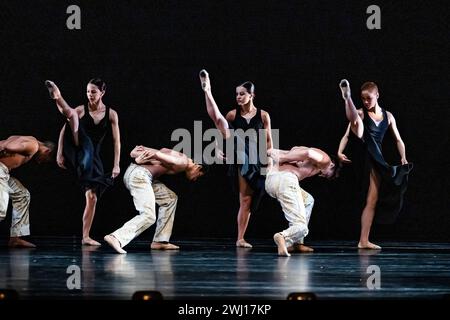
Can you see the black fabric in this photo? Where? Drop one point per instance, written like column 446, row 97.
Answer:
column 85, row 160
column 393, row 179
column 246, row 149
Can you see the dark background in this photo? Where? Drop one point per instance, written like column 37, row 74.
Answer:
column 149, row 53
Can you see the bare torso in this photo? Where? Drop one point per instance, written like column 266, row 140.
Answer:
column 302, row 169
column 157, row 169
column 13, row 160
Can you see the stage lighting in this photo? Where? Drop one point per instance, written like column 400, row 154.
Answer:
column 8, row 294
column 147, row 295
column 302, row 296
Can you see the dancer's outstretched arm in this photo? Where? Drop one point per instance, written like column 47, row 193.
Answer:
column 318, row 157
column 60, row 154
column 351, row 112
column 342, row 145
column 211, row 106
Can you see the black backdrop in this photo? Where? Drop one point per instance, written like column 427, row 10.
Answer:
column 150, row 52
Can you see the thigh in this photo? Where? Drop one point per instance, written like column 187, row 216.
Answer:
column 163, row 194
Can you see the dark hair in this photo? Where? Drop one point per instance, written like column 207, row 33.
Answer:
column 249, row 86
column 52, row 150
column 337, row 167
column 99, row 83
column 205, row 168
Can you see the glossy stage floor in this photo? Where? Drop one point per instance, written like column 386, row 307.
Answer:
column 215, row 269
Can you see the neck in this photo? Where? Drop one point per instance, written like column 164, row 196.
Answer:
column 248, row 107
column 95, row 106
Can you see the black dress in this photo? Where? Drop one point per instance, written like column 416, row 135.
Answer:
column 247, row 160
column 393, row 179
column 85, row 159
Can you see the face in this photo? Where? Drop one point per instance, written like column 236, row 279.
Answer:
column 242, row 96
column 43, row 155
column 369, row 98
column 93, row 93
column 194, row 173
column 328, row 172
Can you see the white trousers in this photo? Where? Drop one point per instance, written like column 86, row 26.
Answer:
column 146, row 194
column 12, row 188
column 295, row 202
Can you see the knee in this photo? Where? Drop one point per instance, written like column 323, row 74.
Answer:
column 173, row 197
column 310, row 200
column 26, row 196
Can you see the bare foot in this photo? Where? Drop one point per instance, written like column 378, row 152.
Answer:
column 241, row 243
column 53, row 90
column 90, row 242
column 114, row 243
column 204, row 80
column 281, row 244
column 368, row 245
column 299, row 247
column 344, row 85
column 163, row 246
column 16, row 242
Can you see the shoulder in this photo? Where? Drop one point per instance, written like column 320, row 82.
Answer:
column 265, row 115
column 390, row 117
column 113, row 116
column 231, row 115
column 30, row 139
column 80, row 110
column 31, row 143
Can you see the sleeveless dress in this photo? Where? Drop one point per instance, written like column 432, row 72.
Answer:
column 85, row 160
column 393, row 179
column 247, row 161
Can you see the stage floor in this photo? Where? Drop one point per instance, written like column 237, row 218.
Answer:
column 215, row 269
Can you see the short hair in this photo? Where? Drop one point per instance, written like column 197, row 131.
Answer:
column 337, row 167
column 51, row 146
column 369, row 86
column 205, row 168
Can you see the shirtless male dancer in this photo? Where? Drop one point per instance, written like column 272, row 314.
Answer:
column 282, row 183
column 150, row 164
column 14, row 152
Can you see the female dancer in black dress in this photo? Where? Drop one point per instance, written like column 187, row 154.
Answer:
column 79, row 148
column 247, row 172
column 387, row 184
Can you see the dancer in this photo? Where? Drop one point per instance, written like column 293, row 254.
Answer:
column 14, row 152
column 282, row 183
column 139, row 178
column 248, row 175
column 80, row 143
column 387, row 184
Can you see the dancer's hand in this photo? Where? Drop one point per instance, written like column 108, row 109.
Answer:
column 116, row 171
column 404, row 161
column 343, row 158
column 144, row 157
column 274, row 154
column 60, row 161
column 219, row 153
